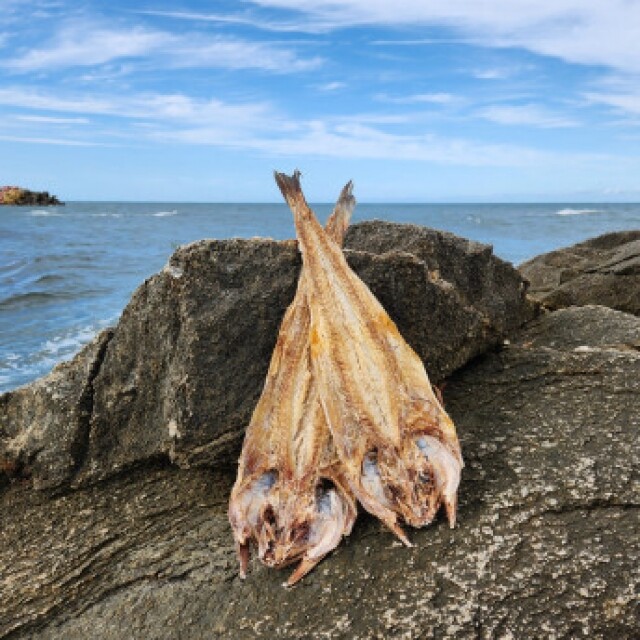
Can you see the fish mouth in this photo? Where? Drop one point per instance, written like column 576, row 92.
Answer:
column 288, row 523
column 415, row 482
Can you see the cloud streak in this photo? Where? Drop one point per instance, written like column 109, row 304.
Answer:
column 527, row 115
column 176, row 118
column 147, row 106
column 579, row 31
column 83, row 44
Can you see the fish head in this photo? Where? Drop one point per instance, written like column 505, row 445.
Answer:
column 413, row 481
column 288, row 521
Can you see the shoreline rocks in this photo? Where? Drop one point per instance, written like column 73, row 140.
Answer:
column 546, row 542
column 603, row 270
column 18, row 196
column 133, row 443
column 179, row 376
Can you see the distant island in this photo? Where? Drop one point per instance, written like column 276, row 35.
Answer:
column 17, row 196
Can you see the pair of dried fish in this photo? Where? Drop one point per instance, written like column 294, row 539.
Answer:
column 347, row 414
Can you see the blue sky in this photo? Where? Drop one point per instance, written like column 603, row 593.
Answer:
column 417, row 101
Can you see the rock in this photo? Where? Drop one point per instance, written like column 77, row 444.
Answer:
column 183, row 370
column 546, row 544
column 44, row 426
column 18, row 196
column 604, row 270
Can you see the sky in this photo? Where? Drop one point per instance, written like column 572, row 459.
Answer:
column 415, row 100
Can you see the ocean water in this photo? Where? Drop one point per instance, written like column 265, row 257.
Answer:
column 66, row 272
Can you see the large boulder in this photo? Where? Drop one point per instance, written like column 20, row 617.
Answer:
column 603, row 270
column 546, row 544
column 180, row 375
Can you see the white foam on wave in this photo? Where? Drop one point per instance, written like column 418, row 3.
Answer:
column 20, row 368
column 106, row 215
column 577, row 212
column 165, row 214
column 42, row 213
column 69, row 342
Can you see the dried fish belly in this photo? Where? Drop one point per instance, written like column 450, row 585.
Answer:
column 398, row 446
column 291, row 497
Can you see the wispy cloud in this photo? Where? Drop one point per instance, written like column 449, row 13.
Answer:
column 331, row 86
column 50, row 119
column 176, row 118
column 420, row 98
column 86, row 44
column 580, row 31
column 356, row 141
column 627, row 103
column 620, row 92
column 143, row 106
column 528, row 115
column 246, row 19
column 493, row 73
column 33, row 98
column 65, row 142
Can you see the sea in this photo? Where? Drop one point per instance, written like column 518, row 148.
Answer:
column 66, row 272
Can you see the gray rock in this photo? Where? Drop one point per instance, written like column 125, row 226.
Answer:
column 604, row 270
column 44, row 426
column 184, row 368
column 546, row 544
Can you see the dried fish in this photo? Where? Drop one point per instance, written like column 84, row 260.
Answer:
column 291, row 496
column 397, row 445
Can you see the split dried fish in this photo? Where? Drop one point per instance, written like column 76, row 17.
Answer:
column 398, row 447
column 291, row 496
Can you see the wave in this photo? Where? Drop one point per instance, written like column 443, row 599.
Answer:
column 39, row 297
column 43, row 213
column 164, row 214
column 17, row 369
column 68, row 343
column 106, row 215
column 577, row 212
column 29, row 298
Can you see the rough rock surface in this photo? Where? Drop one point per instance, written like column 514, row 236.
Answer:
column 603, row 270
column 546, row 545
column 44, row 426
column 180, row 375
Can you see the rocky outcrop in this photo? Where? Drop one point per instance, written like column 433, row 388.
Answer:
column 604, row 270
column 44, row 426
column 18, row 196
column 546, row 544
column 179, row 376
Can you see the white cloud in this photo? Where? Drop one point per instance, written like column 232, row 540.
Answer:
column 348, row 139
column 82, row 44
column 182, row 119
column 331, row 86
column 34, row 99
column 421, row 98
column 491, row 74
column 619, row 92
column 526, row 115
column 623, row 102
column 55, row 141
column 579, row 31
column 258, row 22
column 50, row 119
column 236, row 54
column 171, row 107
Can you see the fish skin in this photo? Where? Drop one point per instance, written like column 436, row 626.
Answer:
column 398, row 446
column 291, row 496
